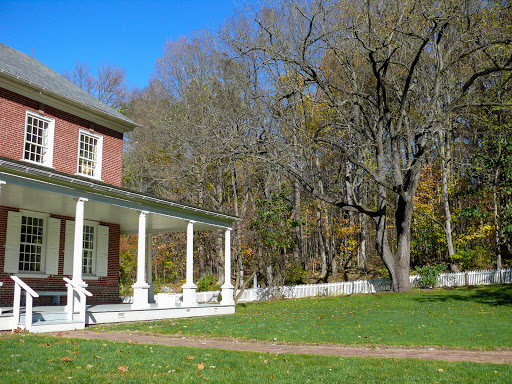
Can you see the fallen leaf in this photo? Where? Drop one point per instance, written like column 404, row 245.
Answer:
column 75, row 352
column 200, row 366
column 65, row 358
column 265, row 361
column 88, row 366
column 50, row 360
column 189, row 357
column 45, row 345
column 119, row 351
column 440, row 370
column 96, row 357
column 213, row 367
column 122, row 368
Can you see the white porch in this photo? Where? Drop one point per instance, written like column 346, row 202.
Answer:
column 52, row 318
column 77, row 201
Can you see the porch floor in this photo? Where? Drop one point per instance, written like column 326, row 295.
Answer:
column 119, row 313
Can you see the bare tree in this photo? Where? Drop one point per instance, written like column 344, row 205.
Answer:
column 109, row 85
column 383, row 77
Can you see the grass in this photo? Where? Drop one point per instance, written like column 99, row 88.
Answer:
column 26, row 358
column 475, row 317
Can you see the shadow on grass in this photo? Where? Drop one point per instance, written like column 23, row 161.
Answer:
column 494, row 295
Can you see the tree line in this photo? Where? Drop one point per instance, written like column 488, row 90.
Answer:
column 353, row 138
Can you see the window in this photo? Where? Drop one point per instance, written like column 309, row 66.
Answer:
column 89, row 155
column 94, row 249
column 89, row 254
column 32, row 244
column 38, row 139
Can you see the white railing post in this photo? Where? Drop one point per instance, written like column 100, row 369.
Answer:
column 70, row 305
column 28, row 312
column 17, row 303
column 81, row 294
column 30, row 294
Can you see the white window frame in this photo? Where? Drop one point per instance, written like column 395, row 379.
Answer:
column 48, row 157
column 99, row 154
column 94, row 225
column 50, row 246
column 101, row 249
column 45, row 217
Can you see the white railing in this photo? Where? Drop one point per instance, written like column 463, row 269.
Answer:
column 30, row 294
column 81, row 294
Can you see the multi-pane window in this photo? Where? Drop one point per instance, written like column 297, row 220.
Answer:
column 31, row 244
column 89, row 155
column 88, row 250
column 38, row 139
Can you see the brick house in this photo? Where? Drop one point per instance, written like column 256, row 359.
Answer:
column 62, row 206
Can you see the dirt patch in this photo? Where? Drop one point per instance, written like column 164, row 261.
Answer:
column 425, row 353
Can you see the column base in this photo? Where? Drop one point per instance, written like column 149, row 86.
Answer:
column 227, row 295
column 140, row 296
column 189, row 296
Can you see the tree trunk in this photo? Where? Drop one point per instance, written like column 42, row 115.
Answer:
column 444, row 141
column 362, row 261
column 297, row 248
column 321, row 244
column 496, row 220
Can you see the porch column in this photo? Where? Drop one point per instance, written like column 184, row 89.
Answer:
column 189, row 288
column 227, row 288
column 78, row 243
column 149, row 268
column 141, row 288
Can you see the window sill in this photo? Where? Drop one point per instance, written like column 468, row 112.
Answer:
column 36, row 163
column 90, row 277
column 32, row 275
column 89, row 177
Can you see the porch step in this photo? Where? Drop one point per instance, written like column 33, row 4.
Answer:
column 56, row 325
column 38, row 317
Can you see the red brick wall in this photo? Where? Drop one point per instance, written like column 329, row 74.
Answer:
column 105, row 290
column 13, row 108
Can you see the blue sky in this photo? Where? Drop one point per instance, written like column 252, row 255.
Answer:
column 129, row 34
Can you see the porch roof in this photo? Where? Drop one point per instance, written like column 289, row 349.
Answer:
column 43, row 189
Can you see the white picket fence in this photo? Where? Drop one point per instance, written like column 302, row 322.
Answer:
column 359, row 286
column 371, row 286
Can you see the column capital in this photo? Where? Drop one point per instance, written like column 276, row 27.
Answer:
column 81, row 200
column 144, row 213
column 2, row 183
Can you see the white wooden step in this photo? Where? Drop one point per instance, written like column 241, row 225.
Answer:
column 56, row 325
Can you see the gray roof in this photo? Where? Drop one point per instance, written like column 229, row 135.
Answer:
column 25, row 68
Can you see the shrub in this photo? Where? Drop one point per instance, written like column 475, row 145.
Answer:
column 206, row 283
column 428, row 275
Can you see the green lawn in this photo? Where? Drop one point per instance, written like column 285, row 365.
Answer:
column 475, row 317
column 28, row 358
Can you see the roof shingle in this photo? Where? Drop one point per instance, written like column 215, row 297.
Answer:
column 25, row 68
